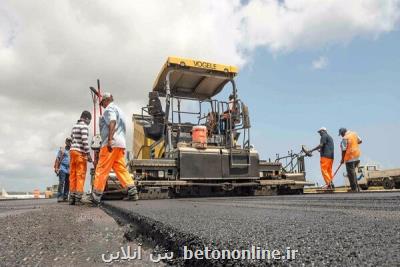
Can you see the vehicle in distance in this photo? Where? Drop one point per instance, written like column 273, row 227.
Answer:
column 372, row 175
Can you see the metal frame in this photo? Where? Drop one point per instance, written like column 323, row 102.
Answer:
column 229, row 133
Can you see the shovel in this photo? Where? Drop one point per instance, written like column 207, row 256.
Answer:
column 337, row 170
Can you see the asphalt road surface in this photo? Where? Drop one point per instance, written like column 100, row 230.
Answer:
column 327, row 229
column 45, row 233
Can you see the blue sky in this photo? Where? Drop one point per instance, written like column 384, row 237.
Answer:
column 358, row 89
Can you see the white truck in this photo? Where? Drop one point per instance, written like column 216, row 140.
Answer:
column 372, row 175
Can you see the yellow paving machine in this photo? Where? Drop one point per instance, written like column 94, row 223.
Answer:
column 188, row 141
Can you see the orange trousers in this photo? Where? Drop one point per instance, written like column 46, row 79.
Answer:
column 77, row 171
column 326, row 169
column 114, row 160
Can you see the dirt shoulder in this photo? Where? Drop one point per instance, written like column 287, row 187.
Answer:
column 52, row 234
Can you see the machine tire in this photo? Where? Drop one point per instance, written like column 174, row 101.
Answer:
column 364, row 187
column 397, row 185
column 388, row 183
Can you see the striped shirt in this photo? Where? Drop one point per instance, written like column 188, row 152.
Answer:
column 80, row 137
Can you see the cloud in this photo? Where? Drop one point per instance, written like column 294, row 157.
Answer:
column 50, row 53
column 306, row 24
column 320, row 63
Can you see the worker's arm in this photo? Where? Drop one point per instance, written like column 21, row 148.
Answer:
column 316, row 148
column 85, row 142
column 111, row 131
column 321, row 144
column 110, row 117
column 343, row 154
column 343, row 146
column 57, row 164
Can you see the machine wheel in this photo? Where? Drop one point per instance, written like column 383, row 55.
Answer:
column 397, row 185
column 388, row 183
column 364, row 187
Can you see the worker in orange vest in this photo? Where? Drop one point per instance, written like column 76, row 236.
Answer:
column 112, row 153
column 351, row 153
column 326, row 149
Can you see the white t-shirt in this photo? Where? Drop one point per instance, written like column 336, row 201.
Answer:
column 113, row 113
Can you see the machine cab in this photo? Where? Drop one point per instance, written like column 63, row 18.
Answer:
column 189, row 119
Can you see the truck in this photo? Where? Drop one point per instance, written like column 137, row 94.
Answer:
column 372, row 175
column 188, row 141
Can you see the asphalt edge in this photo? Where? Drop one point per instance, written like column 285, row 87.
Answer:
column 168, row 238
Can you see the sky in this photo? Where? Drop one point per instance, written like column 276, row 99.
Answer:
column 303, row 64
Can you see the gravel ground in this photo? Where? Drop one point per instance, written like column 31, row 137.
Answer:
column 326, row 229
column 45, row 233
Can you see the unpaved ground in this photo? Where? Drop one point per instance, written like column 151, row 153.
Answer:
column 44, row 233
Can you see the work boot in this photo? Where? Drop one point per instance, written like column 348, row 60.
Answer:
column 72, row 198
column 78, row 199
column 95, row 199
column 133, row 194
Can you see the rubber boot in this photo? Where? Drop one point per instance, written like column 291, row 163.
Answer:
column 78, row 199
column 72, row 198
column 95, row 199
column 133, row 194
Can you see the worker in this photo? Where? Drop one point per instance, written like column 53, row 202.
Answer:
column 326, row 150
column 230, row 117
column 61, row 168
column 80, row 155
column 112, row 153
column 351, row 153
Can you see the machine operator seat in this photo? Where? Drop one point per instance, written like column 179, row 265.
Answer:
column 155, row 107
column 156, row 130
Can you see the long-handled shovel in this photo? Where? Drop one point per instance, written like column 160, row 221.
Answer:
column 337, row 170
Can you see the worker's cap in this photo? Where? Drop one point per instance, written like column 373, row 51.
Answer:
column 68, row 140
column 342, row 131
column 322, row 129
column 105, row 96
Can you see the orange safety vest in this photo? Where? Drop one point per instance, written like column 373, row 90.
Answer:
column 353, row 148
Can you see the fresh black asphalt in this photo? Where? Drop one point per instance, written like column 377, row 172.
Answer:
column 327, row 229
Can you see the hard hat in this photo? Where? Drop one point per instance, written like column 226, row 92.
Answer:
column 322, row 129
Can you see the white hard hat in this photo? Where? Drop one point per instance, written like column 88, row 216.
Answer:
column 322, row 129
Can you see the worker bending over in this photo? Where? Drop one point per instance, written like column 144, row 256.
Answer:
column 79, row 155
column 112, row 153
column 351, row 155
column 326, row 149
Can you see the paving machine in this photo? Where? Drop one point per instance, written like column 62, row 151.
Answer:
column 189, row 143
